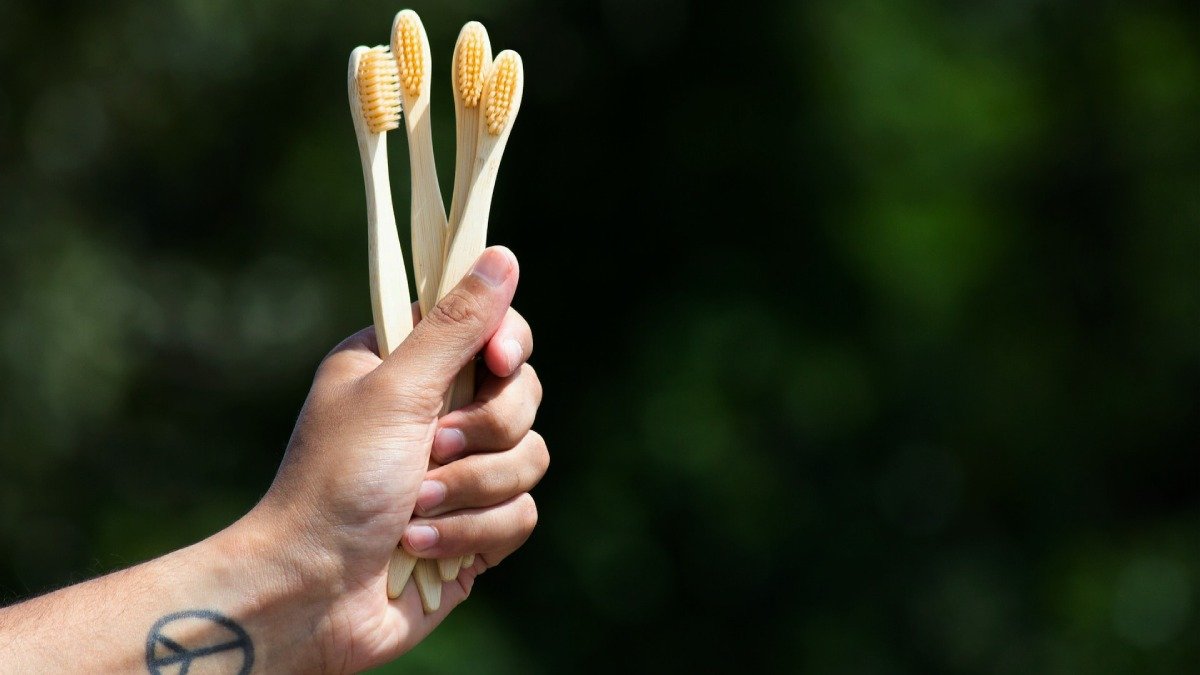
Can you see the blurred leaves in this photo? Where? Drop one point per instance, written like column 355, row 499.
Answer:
column 870, row 330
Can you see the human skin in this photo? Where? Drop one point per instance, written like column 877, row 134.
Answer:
column 298, row 583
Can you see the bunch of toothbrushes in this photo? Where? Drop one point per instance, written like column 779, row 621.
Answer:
column 385, row 85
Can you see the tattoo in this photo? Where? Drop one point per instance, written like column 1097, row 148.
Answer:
column 183, row 637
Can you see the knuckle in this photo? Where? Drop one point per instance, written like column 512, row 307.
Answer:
column 504, row 483
column 515, row 481
column 505, row 426
column 527, row 513
column 535, row 383
column 457, row 307
column 541, row 453
column 467, row 529
column 531, row 472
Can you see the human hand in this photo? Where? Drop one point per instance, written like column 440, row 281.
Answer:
column 356, row 467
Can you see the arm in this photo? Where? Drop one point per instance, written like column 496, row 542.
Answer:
column 237, row 589
column 297, row 585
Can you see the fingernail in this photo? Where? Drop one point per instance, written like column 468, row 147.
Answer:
column 512, row 354
column 449, row 444
column 421, row 537
column 432, row 493
column 493, row 266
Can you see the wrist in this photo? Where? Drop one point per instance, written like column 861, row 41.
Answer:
column 278, row 586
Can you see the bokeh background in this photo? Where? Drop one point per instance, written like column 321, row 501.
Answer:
column 870, row 330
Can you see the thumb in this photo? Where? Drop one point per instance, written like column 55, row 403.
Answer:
column 457, row 328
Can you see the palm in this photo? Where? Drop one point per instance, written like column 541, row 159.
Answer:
column 377, row 630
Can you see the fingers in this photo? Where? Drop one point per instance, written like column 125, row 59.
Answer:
column 484, row 480
column 494, row 532
column 510, row 346
column 354, row 357
column 457, row 328
column 503, row 412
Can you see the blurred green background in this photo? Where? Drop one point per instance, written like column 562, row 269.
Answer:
column 881, row 352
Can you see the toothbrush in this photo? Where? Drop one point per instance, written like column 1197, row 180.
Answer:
column 496, row 111
column 373, row 82
column 472, row 60
column 410, row 44
column 499, row 102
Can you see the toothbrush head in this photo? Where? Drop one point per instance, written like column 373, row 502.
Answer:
column 379, row 89
column 411, row 47
column 502, row 94
column 472, row 56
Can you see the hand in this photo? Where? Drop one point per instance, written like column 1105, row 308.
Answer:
column 356, row 467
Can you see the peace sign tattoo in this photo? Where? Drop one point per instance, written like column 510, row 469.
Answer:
column 178, row 640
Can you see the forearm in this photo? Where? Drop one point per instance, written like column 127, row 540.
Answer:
column 232, row 600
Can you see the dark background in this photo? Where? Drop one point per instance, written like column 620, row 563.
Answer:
column 870, row 330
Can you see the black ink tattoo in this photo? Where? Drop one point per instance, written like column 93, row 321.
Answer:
column 198, row 634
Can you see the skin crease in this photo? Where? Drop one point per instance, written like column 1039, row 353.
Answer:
column 304, row 572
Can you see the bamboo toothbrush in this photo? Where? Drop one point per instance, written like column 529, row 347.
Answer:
column 498, row 104
column 472, row 60
column 410, row 44
column 374, row 102
column 374, row 89
column 411, row 47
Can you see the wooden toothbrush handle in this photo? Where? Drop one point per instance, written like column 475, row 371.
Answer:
column 462, row 392
column 400, row 568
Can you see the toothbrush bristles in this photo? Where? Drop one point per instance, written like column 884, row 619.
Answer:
column 379, row 90
column 410, row 55
column 502, row 88
column 470, row 66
